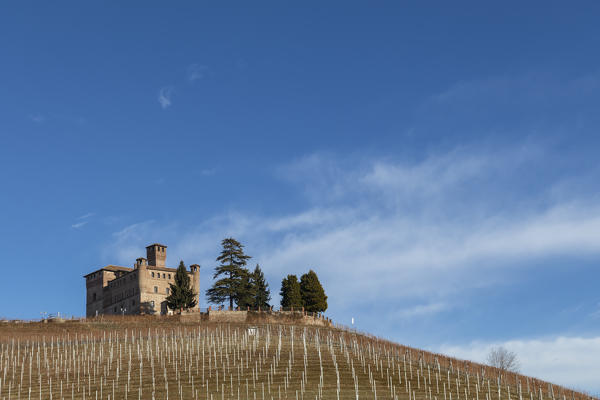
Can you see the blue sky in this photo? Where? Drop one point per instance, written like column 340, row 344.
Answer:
column 436, row 164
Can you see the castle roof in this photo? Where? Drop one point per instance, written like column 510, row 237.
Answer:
column 156, row 244
column 113, row 268
column 118, row 268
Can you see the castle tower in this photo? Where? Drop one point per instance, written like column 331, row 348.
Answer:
column 156, row 254
column 140, row 262
column 195, row 268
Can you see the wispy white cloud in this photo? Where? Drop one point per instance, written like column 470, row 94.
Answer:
column 130, row 241
column 525, row 89
column 79, row 224
column 86, row 216
column 420, row 310
column 37, row 118
column 82, row 220
column 327, row 178
column 208, row 171
column 569, row 361
column 196, row 72
column 511, row 106
column 164, row 96
column 40, row 118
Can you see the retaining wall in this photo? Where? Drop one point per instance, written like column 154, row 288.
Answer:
column 278, row 317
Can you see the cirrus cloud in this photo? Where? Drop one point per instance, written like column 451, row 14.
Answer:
column 164, row 96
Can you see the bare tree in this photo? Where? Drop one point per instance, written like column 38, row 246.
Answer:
column 503, row 359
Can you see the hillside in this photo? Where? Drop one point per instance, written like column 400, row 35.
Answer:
column 149, row 358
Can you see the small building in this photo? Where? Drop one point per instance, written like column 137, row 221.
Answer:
column 143, row 289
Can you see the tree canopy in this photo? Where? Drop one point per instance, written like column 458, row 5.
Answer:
column 503, row 359
column 245, row 291
column 231, row 273
column 262, row 294
column 290, row 292
column 253, row 290
column 182, row 295
column 313, row 294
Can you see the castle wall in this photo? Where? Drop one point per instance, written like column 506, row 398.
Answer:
column 154, row 286
column 256, row 317
column 93, row 301
column 227, row 316
column 121, row 295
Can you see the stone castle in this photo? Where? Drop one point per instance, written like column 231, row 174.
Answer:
column 143, row 289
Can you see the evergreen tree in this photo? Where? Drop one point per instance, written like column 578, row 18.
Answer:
column 262, row 294
column 245, row 291
column 313, row 295
column 231, row 270
column 182, row 295
column 290, row 292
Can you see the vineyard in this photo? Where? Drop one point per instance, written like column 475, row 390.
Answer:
column 158, row 359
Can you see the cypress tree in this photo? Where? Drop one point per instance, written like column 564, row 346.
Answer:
column 290, row 292
column 262, row 294
column 313, row 294
column 231, row 270
column 245, row 291
column 182, row 295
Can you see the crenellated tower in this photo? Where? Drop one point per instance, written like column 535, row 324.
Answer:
column 156, row 254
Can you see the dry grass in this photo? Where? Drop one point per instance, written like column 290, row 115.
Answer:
column 157, row 358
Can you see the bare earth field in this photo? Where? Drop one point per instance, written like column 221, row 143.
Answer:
column 161, row 358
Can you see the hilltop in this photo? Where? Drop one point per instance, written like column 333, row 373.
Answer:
column 158, row 358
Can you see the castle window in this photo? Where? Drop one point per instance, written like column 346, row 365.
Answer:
column 169, row 276
column 152, row 303
column 93, row 296
column 153, row 274
column 155, row 289
column 167, row 290
column 164, row 275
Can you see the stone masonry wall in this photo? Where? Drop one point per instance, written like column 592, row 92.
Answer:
column 227, row 316
column 255, row 317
